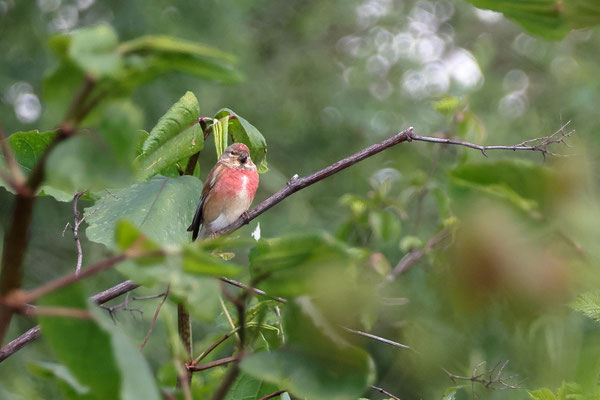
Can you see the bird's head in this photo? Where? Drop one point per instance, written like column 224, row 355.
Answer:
column 237, row 155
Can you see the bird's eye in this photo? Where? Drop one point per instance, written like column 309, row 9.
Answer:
column 232, row 153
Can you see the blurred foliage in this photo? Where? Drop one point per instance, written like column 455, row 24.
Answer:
column 514, row 277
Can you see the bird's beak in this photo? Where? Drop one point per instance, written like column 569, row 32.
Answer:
column 243, row 158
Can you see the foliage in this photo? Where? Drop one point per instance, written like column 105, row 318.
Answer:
column 464, row 259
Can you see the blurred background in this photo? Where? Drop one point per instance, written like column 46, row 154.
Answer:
column 324, row 79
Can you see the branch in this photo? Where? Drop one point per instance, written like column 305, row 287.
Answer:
column 380, row 390
column 378, row 338
column 17, row 235
column 213, row 346
column 415, row 255
column 490, row 379
column 270, row 396
column 75, row 228
column 165, row 295
column 538, row 144
column 35, row 333
column 212, row 364
column 296, row 183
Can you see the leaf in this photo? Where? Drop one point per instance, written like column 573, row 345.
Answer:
column 524, row 184
column 93, row 49
column 69, row 385
column 294, row 262
column 549, row 19
column 96, row 352
column 177, row 135
column 161, row 208
column 220, row 131
column 150, row 56
column 197, row 261
column 316, row 363
column 245, row 387
column 542, row 394
column 243, row 131
column 588, row 304
column 29, row 146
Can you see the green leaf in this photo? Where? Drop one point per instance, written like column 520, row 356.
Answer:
column 293, row 263
column 148, row 57
column 588, row 304
column 524, row 184
column 245, row 387
column 177, row 135
column 317, row 362
column 69, row 385
column 243, row 131
column 542, row 394
column 161, row 208
column 220, row 131
column 447, row 105
column 96, row 352
column 94, row 50
column 549, row 19
column 29, row 146
column 197, row 261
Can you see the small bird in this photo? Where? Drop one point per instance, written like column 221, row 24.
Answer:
column 228, row 191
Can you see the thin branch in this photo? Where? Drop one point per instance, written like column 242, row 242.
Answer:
column 413, row 256
column 270, row 396
column 35, row 333
column 213, row 346
column 165, row 295
column 378, row 338
column 58, row 312
column 252, row 289
column 489, row 379
column 538, row 144
column 380, row 390
column 77, row 220
column 212, row 364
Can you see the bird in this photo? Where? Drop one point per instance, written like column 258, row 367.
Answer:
column 228, row 191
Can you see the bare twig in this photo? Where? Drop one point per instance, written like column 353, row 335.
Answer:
column 490, row 379
column 58, row 312
column 380, row 390
column 415, row 255
column 252, row 289
column 538, row 144
column 75, row 228
column 165, row 295
column 378, row 338
column 212, row 364
column 270, row 396
column 213, row 346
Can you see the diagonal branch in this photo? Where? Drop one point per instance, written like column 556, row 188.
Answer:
column 35, row 333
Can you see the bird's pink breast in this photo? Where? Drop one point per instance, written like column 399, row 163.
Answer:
column 241, row 183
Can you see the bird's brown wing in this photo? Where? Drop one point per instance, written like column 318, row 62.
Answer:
column 212, row 177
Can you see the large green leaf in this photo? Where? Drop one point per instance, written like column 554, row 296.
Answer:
column 522, row 183
column 291, row 264
column 176, row 135
column 551, row 19
column 316, row 362
column 150, row 56
column 243, row 131
column 94, row 49
column 161, row 207
column 96, row 352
